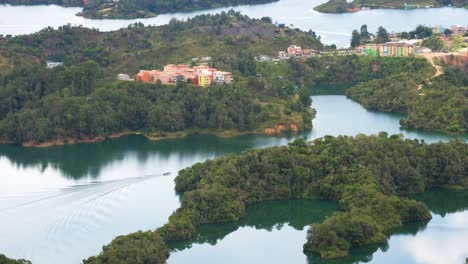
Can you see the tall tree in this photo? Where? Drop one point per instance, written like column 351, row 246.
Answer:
column 382, row 35
column 434, row 43
column 422, row 32
column 355, row 39
column 364, row 34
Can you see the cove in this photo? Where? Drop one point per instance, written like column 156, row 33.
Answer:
column 61, row 204
column 273, row 232
column 333, row 28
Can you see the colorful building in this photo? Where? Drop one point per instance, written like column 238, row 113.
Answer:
column 390, row 49
column 371, row 49
column 201, row 75
column 297, row 52
column 438, row 29
column 294, row 50
column 458, row 30
column 221, row 77
column 204, row 80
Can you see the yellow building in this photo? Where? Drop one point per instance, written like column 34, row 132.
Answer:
column 390, row 49
column 371, row 49
column 204, row 80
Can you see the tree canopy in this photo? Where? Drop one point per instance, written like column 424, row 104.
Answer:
column 369, row 177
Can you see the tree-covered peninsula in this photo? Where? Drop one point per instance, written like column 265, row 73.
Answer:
column 439, row 104
column 83, row 101
column 369, row 177
column 131, row 9
column 343, row 6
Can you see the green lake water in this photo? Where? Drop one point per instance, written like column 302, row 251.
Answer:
column 61, row 204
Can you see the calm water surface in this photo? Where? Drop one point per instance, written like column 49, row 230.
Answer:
column 61, row 204
column 333, row 28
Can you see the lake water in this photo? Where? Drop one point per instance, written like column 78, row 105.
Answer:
column 333, row 28
column 61, row 204
column 274, row 232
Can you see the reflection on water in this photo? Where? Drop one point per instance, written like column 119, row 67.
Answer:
column 268, row 234
column 135, row 156
column 77, row 161
column 67, row 225
column 274, row 232
column 61, row 204
column 443, row 240
column 267, row 216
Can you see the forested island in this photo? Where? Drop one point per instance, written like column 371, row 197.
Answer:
column 82, row 101
column 343, row 6
column 132, row 9
column 368, row 176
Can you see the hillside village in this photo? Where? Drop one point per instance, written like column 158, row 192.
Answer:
column 202, row 75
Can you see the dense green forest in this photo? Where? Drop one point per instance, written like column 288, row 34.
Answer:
column 137, row 9
column 131, row 9
column 368, row 176
column 5, row 260
column 441, row 106
column 69, row 102
column 81, row 99
column 153, row 109
column 343, row 6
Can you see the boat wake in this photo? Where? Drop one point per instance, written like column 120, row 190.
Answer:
column 50, row 226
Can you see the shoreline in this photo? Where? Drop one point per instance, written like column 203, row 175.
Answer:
column 358, row 9
column 280, row 130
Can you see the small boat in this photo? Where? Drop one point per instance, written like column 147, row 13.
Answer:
column 166, row 174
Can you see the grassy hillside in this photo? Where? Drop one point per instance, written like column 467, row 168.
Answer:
column 221, row 37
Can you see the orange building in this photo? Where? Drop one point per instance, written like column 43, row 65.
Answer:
column 201, row 75
column 294, row 50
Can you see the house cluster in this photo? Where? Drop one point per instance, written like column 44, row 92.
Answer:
column 389, row 49
column 201, row 75
column 297, row 52
column 454, row 29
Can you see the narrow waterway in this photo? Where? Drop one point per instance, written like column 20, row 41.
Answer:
column 333, row 28
column 61, row 204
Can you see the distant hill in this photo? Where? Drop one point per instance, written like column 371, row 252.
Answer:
column 131, row 9
column 343, row 6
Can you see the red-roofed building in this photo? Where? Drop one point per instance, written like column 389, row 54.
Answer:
column 201, row 75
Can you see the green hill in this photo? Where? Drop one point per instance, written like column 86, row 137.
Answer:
column 343, row 6
column 82, row 101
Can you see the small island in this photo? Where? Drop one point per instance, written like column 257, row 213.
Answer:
column 368, row 176
column 343, row 6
